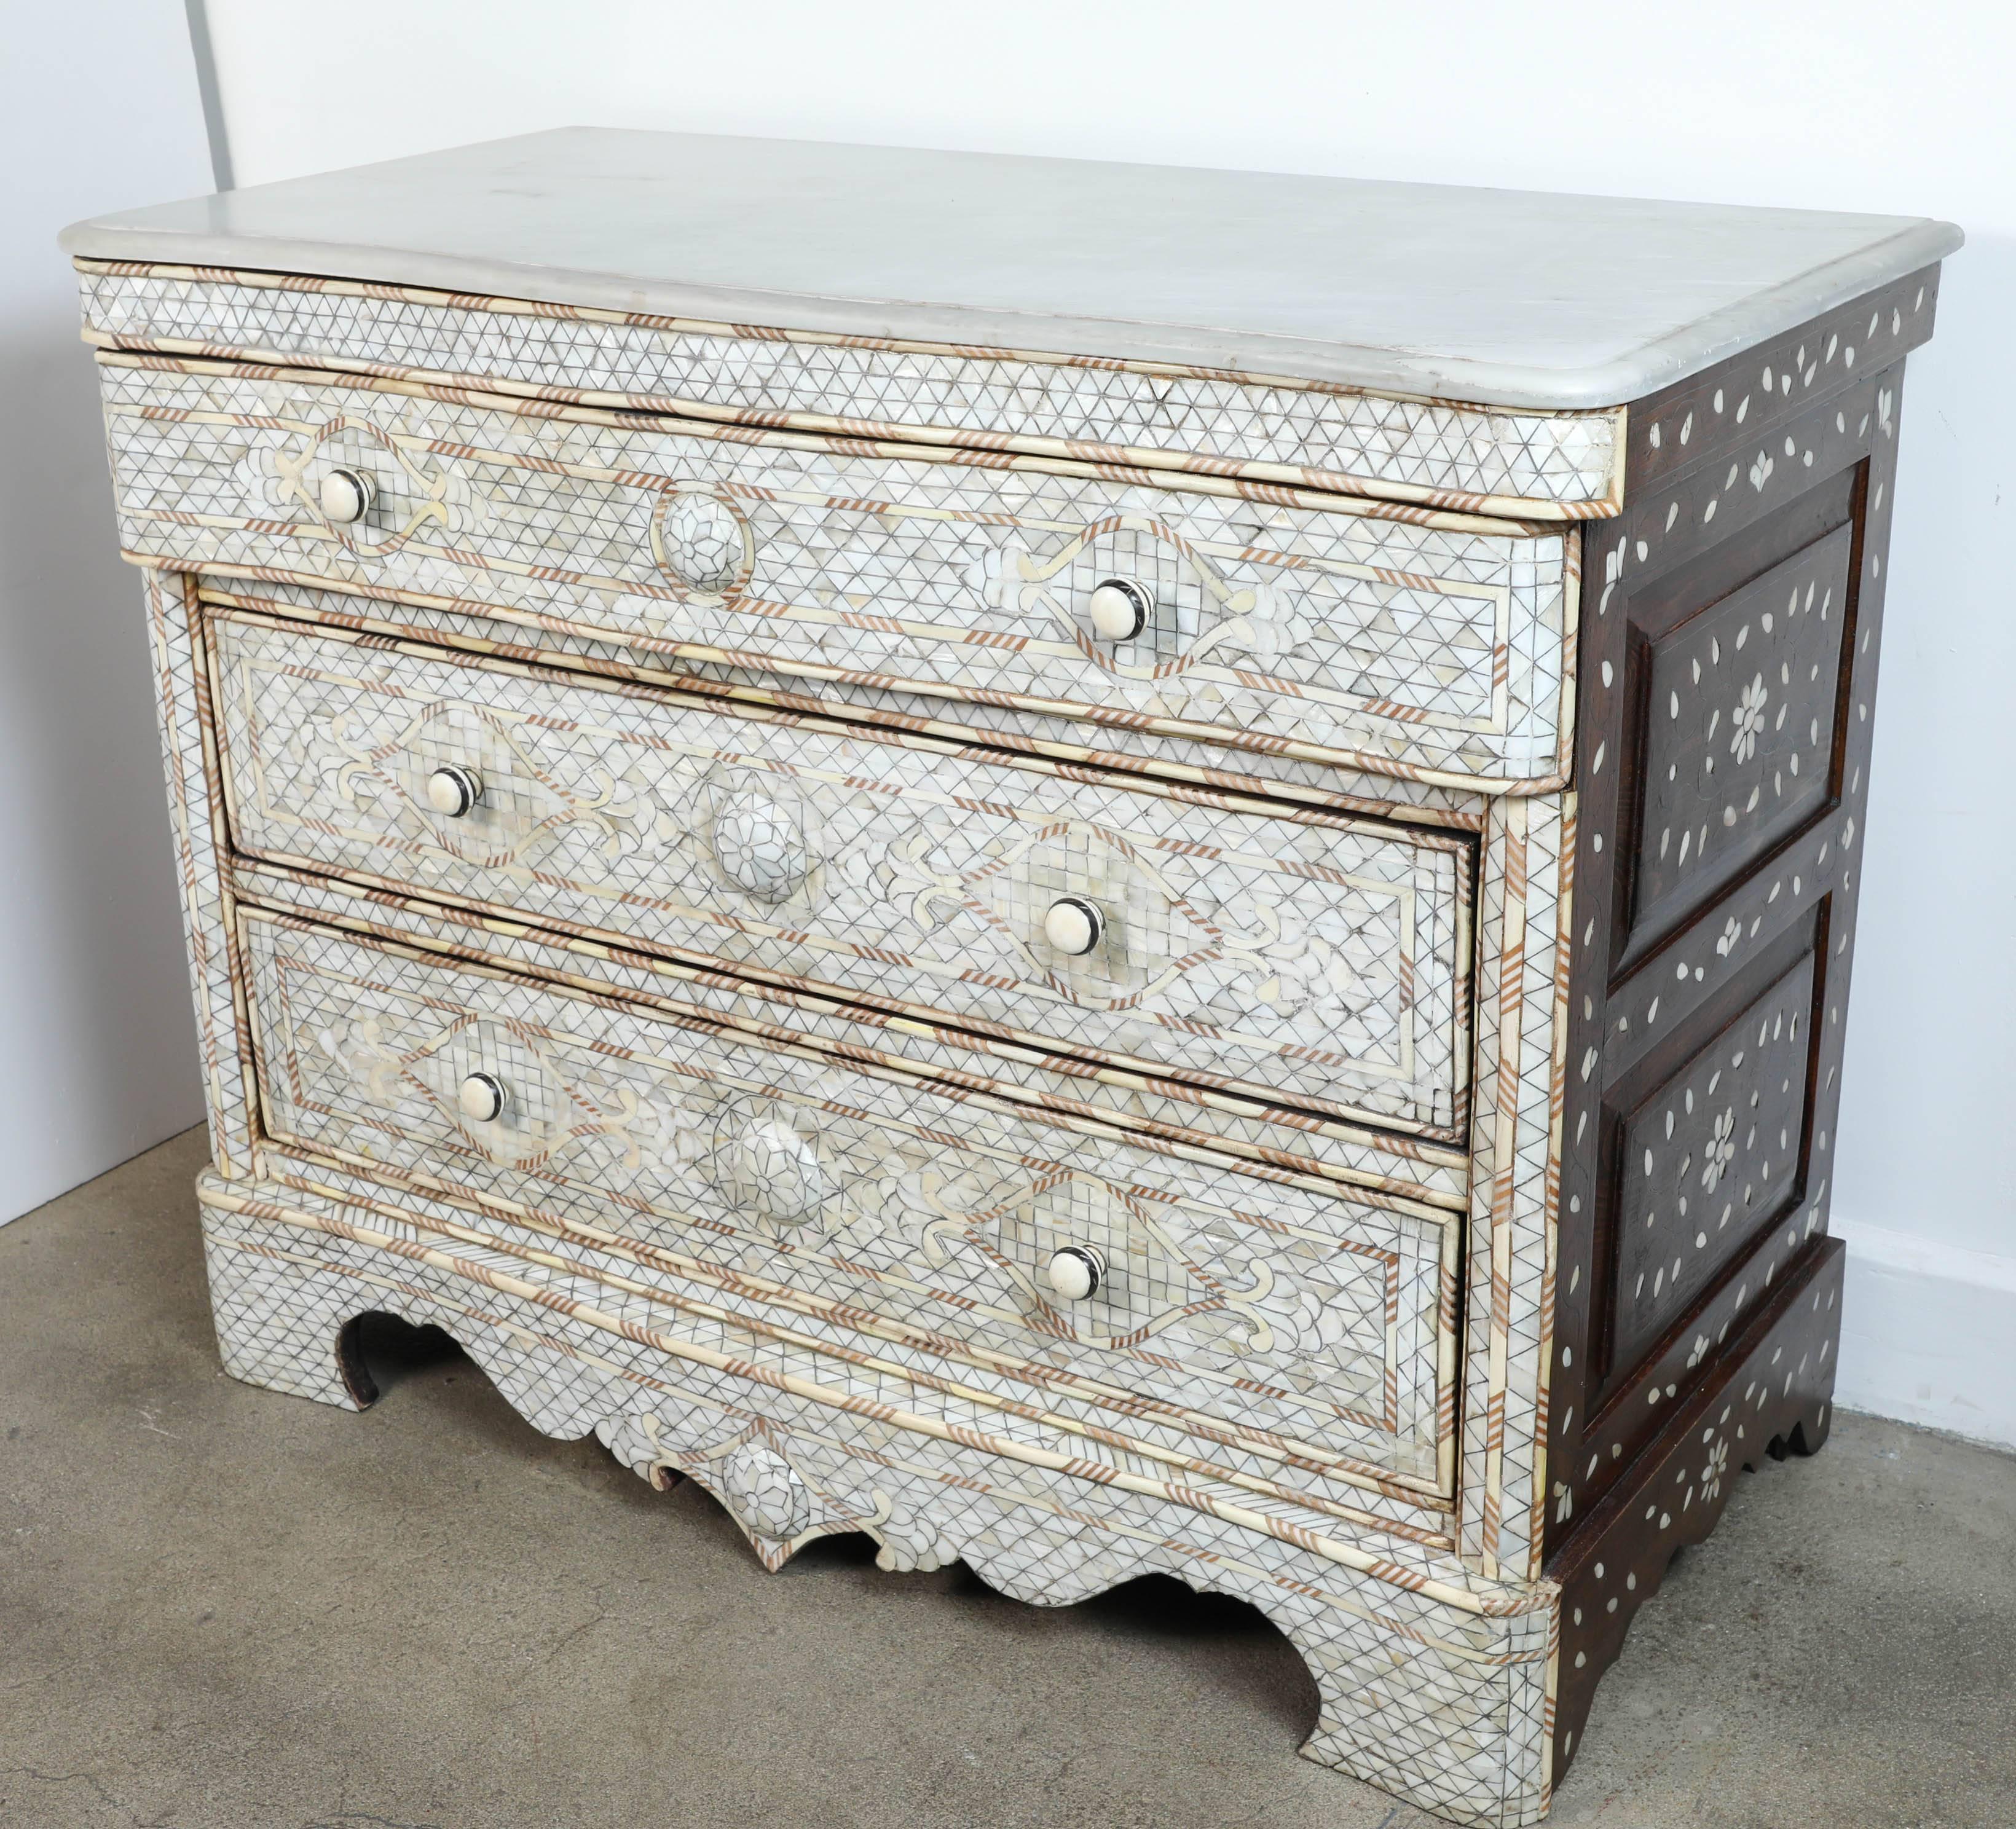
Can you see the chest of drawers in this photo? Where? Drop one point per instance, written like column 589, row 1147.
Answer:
column 1096, row 870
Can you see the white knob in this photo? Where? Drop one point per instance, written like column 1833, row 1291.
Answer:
column 782, row 1177
column 453, row 790
column 1076, row 1272
column 346, row 495
column 481, row 1097
column 1074, row 925
column 1119, row 608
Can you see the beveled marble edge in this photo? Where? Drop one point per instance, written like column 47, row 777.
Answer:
column 1720, row 335
column 198, row 232
column 1646, row 371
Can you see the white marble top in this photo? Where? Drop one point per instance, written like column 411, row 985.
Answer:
column 1513, row 298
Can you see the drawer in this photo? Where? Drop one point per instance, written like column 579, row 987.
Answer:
column 1267, row 1310
column 1304, row 959
column 1494, row 460
column 1335, row 637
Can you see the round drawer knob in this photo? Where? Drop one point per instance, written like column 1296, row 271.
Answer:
column 453, row 790
column 347, row 496
column 1076, row 1272
column 481, row 1097
column 781, row 1175
column 760, row 848
column 700, row 541
column 1074, row 925
column 1119, row 608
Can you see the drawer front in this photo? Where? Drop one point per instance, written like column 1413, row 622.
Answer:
column 1532, row 464
column 1258, row 1304
column 1306, row 960
column 1366, row 643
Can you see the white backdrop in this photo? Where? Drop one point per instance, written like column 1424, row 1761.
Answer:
column 1850, row 105
column 97, row 1046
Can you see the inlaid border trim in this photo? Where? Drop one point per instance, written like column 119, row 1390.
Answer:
column 1189, row 465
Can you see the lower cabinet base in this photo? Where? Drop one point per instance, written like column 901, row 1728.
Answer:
column 1770, row 1394
column 1445, row 1697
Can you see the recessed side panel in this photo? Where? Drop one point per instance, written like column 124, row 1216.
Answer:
column 1739, row 730
column 1707, row 1138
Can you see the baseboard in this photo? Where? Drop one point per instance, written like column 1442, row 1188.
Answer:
column 1928, row 1333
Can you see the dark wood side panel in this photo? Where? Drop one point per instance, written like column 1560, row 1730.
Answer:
column 1683, row 689
column 1733, row 404
column 1729, row 648
column 1650, row 996
column 1770, row 1394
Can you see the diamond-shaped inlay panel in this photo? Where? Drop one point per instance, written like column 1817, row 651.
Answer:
column 1313, row 960
column 1314, row 1317
column 1413, row 650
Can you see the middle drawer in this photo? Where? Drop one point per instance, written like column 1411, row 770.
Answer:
column 1299, row 957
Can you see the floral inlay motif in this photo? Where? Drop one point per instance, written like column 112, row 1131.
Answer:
column 759, row 844
column 1721, row 1151
column 1747, row 719
column 776, row 1171
column 764, row 1490
column 1713, row 1475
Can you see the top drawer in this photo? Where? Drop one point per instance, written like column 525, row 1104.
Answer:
column 1340, row 639
column 1309, row 435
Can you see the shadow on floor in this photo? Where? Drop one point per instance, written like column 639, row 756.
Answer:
column 391, row 1352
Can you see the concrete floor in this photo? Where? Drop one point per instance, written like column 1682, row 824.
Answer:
column 220, row 1607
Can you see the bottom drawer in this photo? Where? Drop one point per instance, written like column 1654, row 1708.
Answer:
column 1267, row 1308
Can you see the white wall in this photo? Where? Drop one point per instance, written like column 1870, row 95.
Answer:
column 97, row 1045
column 1851, row 104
